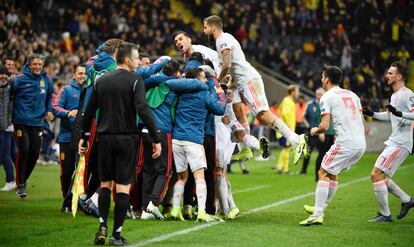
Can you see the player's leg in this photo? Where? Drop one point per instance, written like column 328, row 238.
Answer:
column 180, row 163
column 224, row 150
column 222, row 189
column 254, row 96
column 385, row 166
column 335, row 160
column 378, row 175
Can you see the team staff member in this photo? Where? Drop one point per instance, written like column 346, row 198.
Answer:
column 65, row 107
column 117, row 136
column 32, row 92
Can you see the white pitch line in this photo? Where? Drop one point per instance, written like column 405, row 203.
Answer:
column 251, row 211
column 251, row 189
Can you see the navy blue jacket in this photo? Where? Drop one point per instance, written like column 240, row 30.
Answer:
column 67, row 100
column 191, row 112
column 32, row 97
column 313, row 113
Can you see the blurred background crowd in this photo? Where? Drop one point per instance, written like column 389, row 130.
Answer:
column 291, row 37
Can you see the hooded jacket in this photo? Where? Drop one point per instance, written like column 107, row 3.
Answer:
column 32, row 97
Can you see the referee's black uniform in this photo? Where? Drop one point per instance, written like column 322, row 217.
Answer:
column 119, row 95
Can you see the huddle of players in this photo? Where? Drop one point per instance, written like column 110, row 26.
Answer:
column 182, row 109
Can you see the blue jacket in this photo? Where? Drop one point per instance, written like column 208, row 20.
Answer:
column 191, row 112
column 164, row 113
column 147, row 71
column 67, row 100
column 32, row 96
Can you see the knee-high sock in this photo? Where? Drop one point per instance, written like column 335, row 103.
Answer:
column 251, row 142
column 381, row 192
column 333, row 186
column 282, row 128
column 397, row 191
column 104, row 201
column 178, row 193
column 321, row 196
column 223, row 193
column 232, row 204
column 201, row 191
column 121, row 206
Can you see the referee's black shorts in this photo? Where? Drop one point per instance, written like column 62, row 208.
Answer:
column 117, row 158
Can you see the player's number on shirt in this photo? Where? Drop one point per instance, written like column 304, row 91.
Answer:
column 350, row 106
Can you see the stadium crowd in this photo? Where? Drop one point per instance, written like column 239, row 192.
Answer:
column 291, row 37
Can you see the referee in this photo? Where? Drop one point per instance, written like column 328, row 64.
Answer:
column 119, row 95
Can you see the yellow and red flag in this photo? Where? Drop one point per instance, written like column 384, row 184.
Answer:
column 78, row 184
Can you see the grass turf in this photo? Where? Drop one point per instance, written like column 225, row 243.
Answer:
column 37, row 220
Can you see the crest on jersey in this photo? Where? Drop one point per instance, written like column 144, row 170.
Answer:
column 42, row 83
column 224, row 45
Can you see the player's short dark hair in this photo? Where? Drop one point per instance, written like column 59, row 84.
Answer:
column 214, row 20
column 34, row 56
column 209, row 63
column 171, row 67
column 401, row 68
column 197, row 56
column 193, row 72
column 176, row 33
column 111, row 46
column 334, row 74
column 143, row 55
column 82, row 65
column 124, row 51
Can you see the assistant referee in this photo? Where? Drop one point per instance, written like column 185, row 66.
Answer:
column 119, row 95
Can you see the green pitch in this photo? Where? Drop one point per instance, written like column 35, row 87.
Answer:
column 271, row 206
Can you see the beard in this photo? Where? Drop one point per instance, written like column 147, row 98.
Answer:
column 211, row 40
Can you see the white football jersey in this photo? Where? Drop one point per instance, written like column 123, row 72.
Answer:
column 402, row 129
column 207, row 53
column 241, row 70
column 345, row 109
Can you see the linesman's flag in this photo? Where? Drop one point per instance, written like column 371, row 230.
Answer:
column 78, row 184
